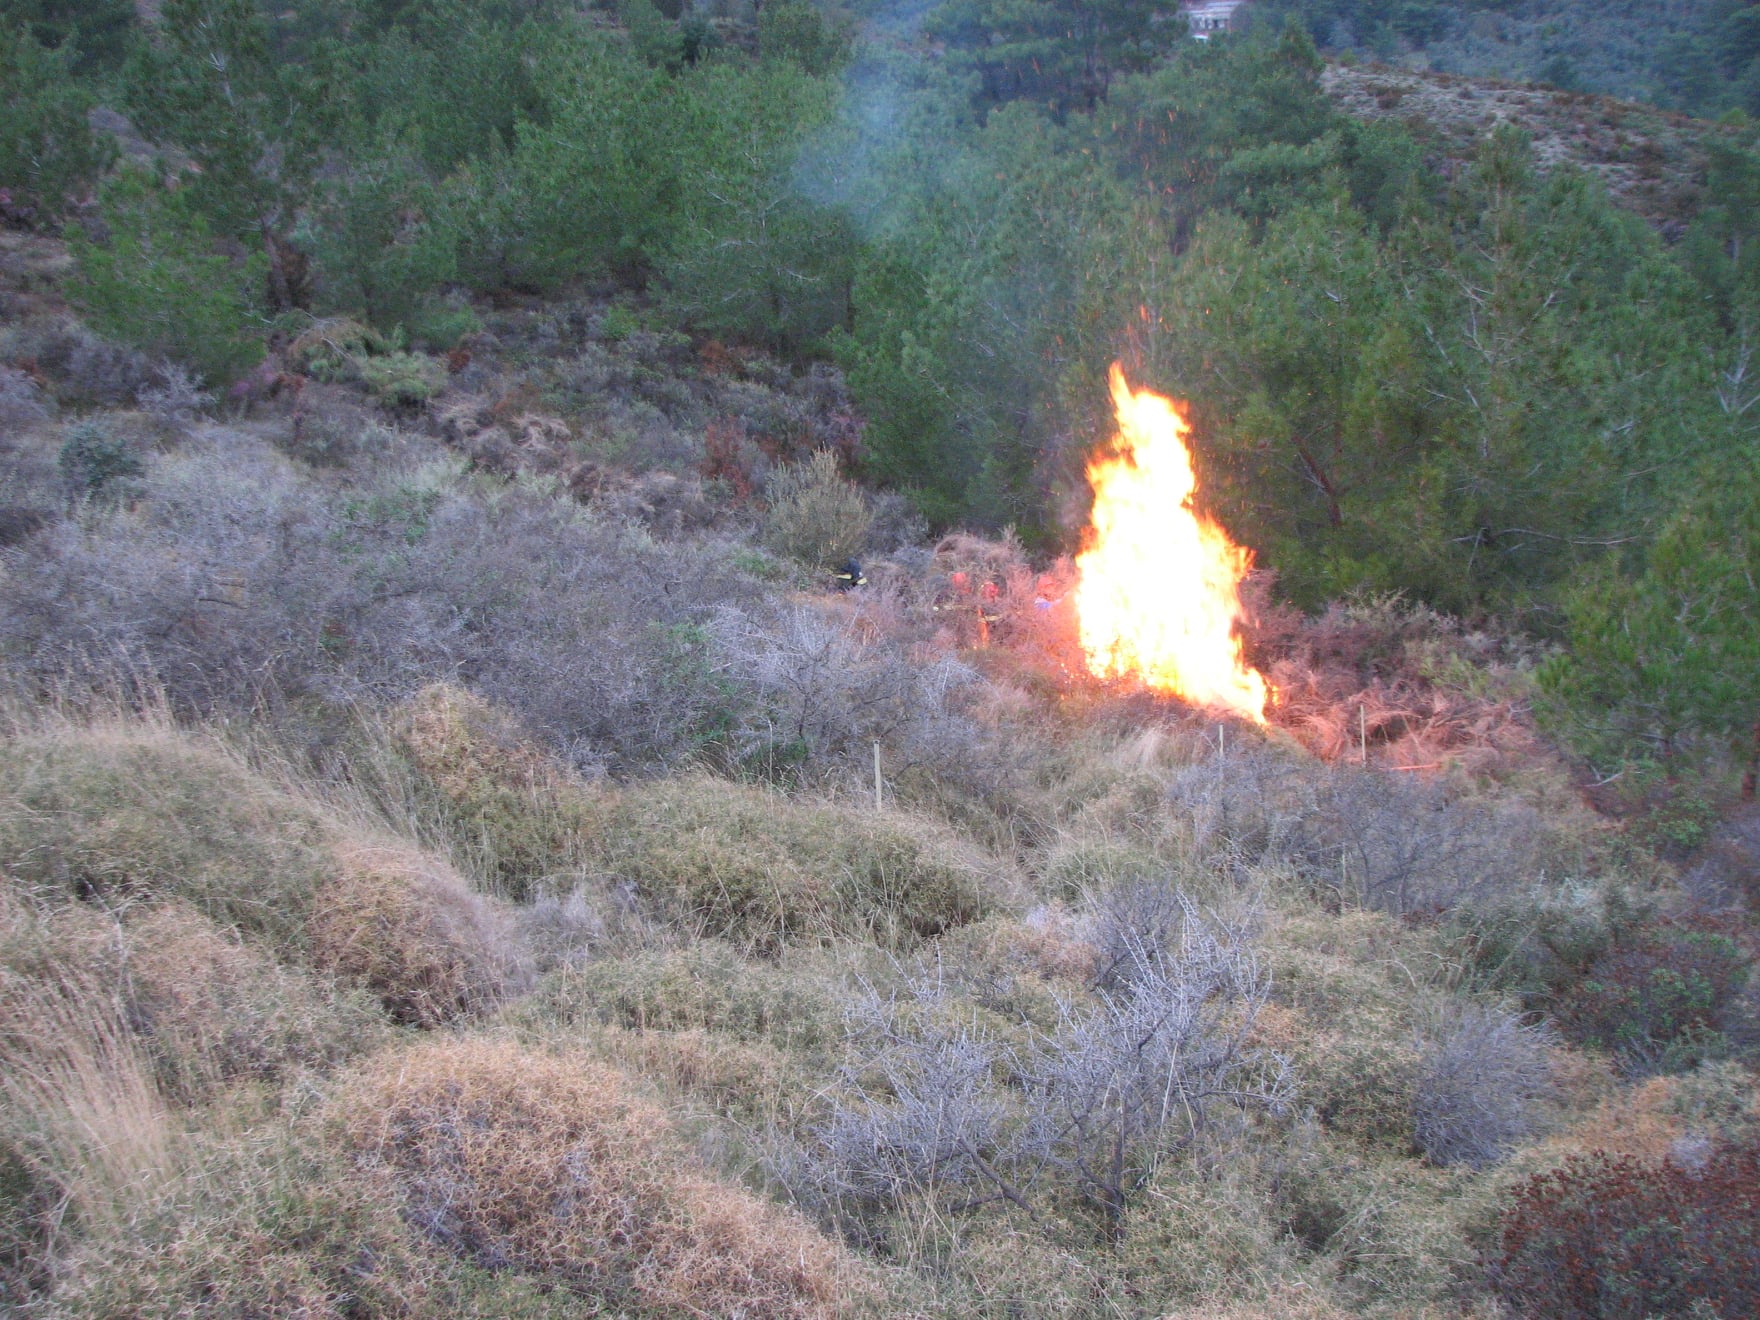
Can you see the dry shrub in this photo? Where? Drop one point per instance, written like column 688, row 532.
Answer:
column 741, row 1078
column 752, row 866
column 814, row 514
column 1480, row 1081
column 513, row 813
column 1198, row 1234
column 119, row 812
column 266, row 1227
column 548, row 1165
column 213, row 1010
column 406, row 927
column 1404, row 844
column 1420, row 688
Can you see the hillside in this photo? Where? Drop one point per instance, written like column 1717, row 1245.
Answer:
column 471, row 846
column 1652, row 162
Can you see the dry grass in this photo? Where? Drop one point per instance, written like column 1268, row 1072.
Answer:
column 405, row 926
column 548, row 1165
column 116, row 811
column 752, row 866
column 213, row 1010
column 82, row 1120
column 515, row 817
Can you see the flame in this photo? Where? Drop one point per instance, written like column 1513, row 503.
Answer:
column 1158, row 595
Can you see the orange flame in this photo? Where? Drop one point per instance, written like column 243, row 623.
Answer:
column 1158, row 594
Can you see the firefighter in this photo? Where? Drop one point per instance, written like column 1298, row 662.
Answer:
column 850, row 575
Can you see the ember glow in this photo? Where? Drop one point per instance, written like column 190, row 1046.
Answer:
column 1158, row 595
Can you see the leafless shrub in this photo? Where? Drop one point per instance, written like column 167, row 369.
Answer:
column 1482, row 1074
column 22, row 403
column 240, row 582
column 1114, row 1090
column 87, row 369
column 823, row 686
column 937, row 1102
column 1382, row 839
column 177, row 399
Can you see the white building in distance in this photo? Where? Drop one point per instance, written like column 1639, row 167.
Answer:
column 1205, row 18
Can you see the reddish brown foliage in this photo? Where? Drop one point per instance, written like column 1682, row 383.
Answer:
column 722, row 459
column 1662, row 987
column 1606, row 1237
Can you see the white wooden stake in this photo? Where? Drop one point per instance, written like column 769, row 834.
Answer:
column 877, row 804
column 1363, row 731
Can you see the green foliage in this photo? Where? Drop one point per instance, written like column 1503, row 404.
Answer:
column 403, row 380
column 48, row 156
column 383, row 240
column 1675, row 649
column 815, row 515
column 93, row 456
column 213, row 88
column 93, row 35
column 157, row 282
column 1658, row 997
column 804, row 34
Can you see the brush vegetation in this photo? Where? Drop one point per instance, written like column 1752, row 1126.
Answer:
column 462, row 854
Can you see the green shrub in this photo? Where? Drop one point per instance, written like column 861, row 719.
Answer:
column 403, row 380
column 814, row 514
column 751, row 866
column 1658, row 997
column 156, row 280
column 705, row 986
column 93, row 456
column 1617, row 1236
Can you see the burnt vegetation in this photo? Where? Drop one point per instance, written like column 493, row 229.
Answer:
column 546, row 765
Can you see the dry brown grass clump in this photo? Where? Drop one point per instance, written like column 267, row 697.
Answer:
column 547, row 1165
column 214, row 1010
column 85, row 1135
column 405, row 926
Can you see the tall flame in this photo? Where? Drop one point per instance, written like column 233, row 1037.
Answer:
column 1158, row 594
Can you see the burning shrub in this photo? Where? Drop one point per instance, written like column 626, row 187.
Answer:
column 549, row 1166
column 1660, row 996
column 405, row 927
column 1618, row 1236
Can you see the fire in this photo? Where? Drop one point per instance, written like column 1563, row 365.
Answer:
column 1158, row 591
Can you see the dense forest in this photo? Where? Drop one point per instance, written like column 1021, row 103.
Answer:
column 459, row 854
